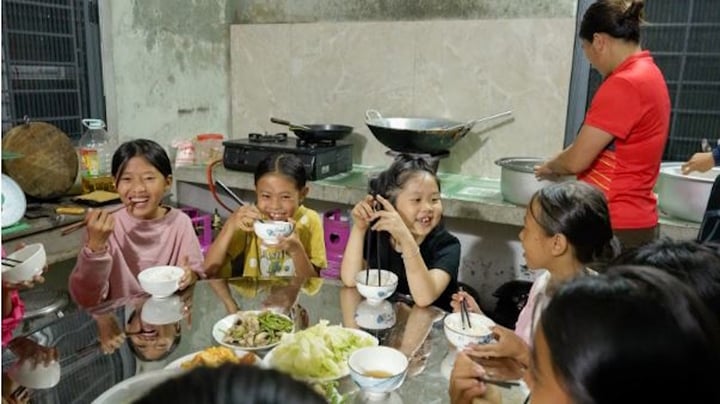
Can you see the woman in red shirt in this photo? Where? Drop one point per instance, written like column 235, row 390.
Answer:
column 620, row 144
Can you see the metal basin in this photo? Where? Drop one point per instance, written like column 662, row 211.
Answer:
column 517, row 179
column 684, row 196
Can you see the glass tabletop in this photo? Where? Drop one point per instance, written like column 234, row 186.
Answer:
column 106, row 345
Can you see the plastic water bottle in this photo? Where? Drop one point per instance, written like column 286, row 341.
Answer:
column 96, row 150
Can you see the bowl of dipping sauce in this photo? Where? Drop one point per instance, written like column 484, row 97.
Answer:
column 378, row 370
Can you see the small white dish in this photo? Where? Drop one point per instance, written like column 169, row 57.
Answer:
column 161, row 281
column 41, row 377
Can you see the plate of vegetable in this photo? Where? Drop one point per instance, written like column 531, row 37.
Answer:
column 318, row 353
column 252, row 329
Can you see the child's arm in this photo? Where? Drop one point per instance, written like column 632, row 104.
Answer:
column 217, row 255
column 353, row 260
column 89, row 281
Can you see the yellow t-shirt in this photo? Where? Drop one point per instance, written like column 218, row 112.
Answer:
column 260, row 260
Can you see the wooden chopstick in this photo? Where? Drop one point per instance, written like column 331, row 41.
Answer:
column 499, row 383
column 79, row 225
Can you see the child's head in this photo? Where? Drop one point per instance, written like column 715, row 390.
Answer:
column 280, row 186
column 566, row 217
column 695, row 264
column 412, row 187
column 150, row 342
column 143, row 174
column 632, row 323
column 233, row 384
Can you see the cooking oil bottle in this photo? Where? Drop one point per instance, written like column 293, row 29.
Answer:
column 96, row 150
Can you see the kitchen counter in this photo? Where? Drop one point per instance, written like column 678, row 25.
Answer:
column 464, row 197
column 47, row 230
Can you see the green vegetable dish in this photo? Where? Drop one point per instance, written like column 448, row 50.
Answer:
column 253, row 329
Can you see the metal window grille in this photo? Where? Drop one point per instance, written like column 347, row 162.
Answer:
column 684, row 39
column 51, row 63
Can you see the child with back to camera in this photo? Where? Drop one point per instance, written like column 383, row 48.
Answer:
column 630, row 335
column 281, row 187
column 566, row 227
column 407, row 236
column 118, row 246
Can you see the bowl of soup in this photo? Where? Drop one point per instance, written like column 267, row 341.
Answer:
column 477, row 332
column 378, row 370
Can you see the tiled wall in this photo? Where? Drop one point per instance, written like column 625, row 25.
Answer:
column 457, row 69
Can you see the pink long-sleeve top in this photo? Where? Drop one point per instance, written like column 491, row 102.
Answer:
column 134, row 245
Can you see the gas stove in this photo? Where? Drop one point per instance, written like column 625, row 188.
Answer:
column 321, row 159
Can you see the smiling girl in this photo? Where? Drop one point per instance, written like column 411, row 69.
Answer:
column 280, row 187
column 118, row 246
column 407, row 236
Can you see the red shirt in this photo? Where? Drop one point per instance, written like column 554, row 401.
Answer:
column 633, row 105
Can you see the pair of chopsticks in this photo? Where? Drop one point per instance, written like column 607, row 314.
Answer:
column 464, row 315
column 10, row 262
column 79, row 225
column 499, row 383
column 233, row 195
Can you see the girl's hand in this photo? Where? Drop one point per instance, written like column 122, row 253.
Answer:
column 109, row 332
column 362, row 212
column 244, row 217
column 389, row 220
column 465, row 386
column 457, row 299
column 508, row 345
column 100, row 225
column 189, row 277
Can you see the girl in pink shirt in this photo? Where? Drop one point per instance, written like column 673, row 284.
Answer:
column 118, row 246
column 566, row 227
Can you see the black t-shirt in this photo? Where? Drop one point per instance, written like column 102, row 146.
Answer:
column 439, row 250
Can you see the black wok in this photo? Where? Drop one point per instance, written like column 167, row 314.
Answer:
column 316, row 132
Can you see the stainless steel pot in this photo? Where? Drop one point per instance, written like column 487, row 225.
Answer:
column 684, row 196
column 420, row 135
column 517, row 179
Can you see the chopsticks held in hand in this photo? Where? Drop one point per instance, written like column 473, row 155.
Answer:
column 79, row 225
column 464, row 316
column 499, row 383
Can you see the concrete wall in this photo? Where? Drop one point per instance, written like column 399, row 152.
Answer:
column 166, row 67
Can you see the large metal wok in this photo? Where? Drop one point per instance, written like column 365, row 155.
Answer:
column 420, row 135
column 316, row 132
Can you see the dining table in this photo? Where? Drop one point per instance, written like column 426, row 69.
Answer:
column 119, row 349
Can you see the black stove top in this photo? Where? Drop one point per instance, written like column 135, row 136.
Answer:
column 321, row 159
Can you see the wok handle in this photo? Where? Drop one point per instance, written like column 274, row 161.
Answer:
column 487, row 118
column 372, row 114
column 293, row 127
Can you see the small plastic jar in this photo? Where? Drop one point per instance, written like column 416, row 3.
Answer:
column 208, row 147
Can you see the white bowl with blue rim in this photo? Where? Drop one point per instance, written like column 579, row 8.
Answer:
column 378, row 370
column 460, row 336
column 376, row 285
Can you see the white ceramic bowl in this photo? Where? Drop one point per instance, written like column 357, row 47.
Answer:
column 378, row 370
column 370, row 290
column 41, row 377
column 161, row 281
column 161, row 311
column 33, row 261
column 375, row 316
column 479, row 333
column 269, row 230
